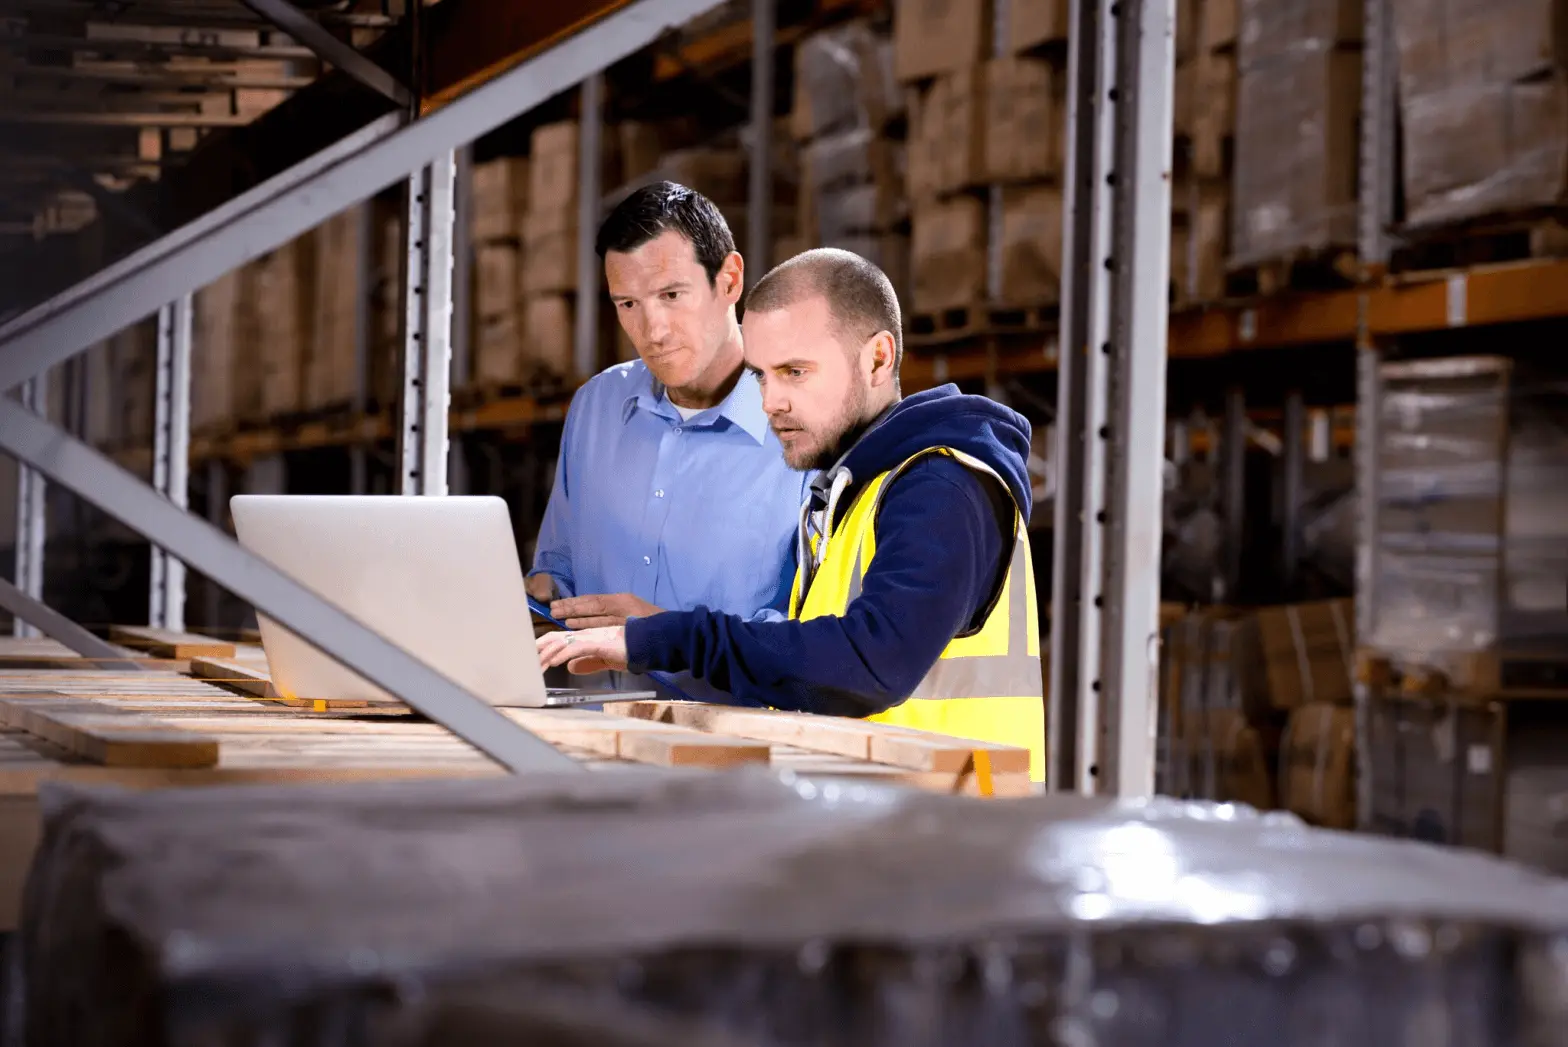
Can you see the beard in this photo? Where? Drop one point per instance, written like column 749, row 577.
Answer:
column 819, row 447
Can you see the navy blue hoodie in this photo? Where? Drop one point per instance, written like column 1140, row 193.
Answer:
column 944, row 539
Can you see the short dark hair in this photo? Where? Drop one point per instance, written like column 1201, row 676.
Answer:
column 860, row 297
column 662, row 207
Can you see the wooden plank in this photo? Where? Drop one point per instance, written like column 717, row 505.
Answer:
column 249, row 675
column 166, row 644
column 862, row 739
column 108, row 736
column 638, row 740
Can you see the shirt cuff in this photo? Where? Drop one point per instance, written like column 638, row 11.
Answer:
column 656, row 643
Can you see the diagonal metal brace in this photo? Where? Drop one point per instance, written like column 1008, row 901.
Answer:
column 82, row 470
column 330, row 49
column 62, row 630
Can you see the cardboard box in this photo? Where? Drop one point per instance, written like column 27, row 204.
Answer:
column 500, row 197
column 212, row 370
column 330, row 375
column 947, row 251
column 1217, row 25
column 857, row 209
column 641, row 145
column 1446, row 44
column 550, row 259
column 1301, row 654
column 1228, row 760
column 950, row 154
column 497, row 349
column 1272, row 28
column 498, row 280
column 718, row 174
column 548, row 328
column 1183, row 102
column 1297, row 124
column 844, row 81
column 1023, row 136
column 932, row 37
column 1317, row 762
column 552, row 169
column 1034, row 22
column 1031, row 245
column 852, row 158
column 1485, row 149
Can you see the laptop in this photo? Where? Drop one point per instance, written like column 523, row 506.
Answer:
column 438, row 576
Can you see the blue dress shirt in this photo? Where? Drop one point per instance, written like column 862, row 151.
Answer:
column 682, row 513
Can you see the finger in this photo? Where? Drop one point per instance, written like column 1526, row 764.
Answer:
column 600, row 622
column 577, row 607
column 551, row 650
column 586, row 665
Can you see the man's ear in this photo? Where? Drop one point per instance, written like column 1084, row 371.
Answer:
column 731, row 279
column 882, row 355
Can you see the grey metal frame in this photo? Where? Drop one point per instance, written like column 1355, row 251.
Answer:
column 759, row 172
column 1111, row 397
column 31, row 524
column 427, row 331
column 171, row 455
column 56, row 626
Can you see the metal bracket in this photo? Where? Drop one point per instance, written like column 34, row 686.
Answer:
column 330, row 49
column 82, row 470
column 30, row 516
column 590, row 135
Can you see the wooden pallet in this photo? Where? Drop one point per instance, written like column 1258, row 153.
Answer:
column 1485, row 241
column 1475, row 675
column 162, row 643
column 947, row 325
column 1329, row 269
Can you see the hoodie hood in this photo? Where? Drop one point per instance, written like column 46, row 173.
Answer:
column 942, row 417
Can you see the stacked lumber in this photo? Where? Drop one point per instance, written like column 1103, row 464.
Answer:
column 202, row 711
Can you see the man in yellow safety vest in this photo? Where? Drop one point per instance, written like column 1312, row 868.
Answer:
column 913, row 602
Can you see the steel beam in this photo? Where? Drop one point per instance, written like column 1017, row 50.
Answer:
column 1111, row 397
column 457, row 480
column 171, row 455
column 312, row 191
column 1369, row 424
column 590, row 134
column 759, row 172
column 47, row 621
column 330, row 49
column 31, row 525
column 78, row 468
column 1379, row 118
column 427, row 331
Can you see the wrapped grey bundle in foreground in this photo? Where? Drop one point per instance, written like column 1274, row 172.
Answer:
column 747, row 909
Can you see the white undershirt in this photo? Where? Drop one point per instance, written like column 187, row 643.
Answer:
column 687, row 413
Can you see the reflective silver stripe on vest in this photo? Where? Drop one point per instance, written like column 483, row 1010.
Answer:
column 1015, row 674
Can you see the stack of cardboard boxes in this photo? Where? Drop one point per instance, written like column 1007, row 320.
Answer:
column 1298, row 112
column 1483, row 108
column 550, row 250
column 1205, row 125
column 500, row 204
column 975, row 121
column 1257, row 709
column 851, row 169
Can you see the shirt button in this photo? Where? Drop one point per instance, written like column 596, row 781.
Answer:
column 659, row 493
column 647, row 559
column 677, row 429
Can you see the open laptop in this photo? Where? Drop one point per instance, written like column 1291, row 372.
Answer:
column 439, row 577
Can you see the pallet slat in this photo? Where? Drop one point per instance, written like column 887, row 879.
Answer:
column 108, row 736
column 163, row 643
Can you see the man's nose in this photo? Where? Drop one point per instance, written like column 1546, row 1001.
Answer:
column 773, row 400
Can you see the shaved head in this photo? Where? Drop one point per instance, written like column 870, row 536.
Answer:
column 860, row 298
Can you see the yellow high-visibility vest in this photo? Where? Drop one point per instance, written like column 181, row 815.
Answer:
column 986, row 686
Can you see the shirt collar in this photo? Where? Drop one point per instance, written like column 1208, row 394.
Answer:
column 742, row 407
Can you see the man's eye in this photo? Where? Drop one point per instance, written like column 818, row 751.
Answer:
column 670, row 296
column 797, row 372
column 623, row 305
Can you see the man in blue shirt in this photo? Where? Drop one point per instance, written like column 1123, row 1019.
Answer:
column 671, row 490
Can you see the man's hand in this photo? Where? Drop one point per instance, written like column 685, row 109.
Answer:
column 589, row 651
column 596, row 612
column 541, row 587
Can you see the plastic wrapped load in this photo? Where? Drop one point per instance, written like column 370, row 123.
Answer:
column 749, row 908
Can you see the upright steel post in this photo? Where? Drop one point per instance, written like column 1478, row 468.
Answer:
column 364, row 320
column 590, row 146
column 462, row 299
column 759, row 195
column 1369, row 397
column 30, row 516
column 1293, row 490
column 171, row 454
column 1233, row 473
column 1000, row 13
column 1111, row 397
column 1379, row 100
column 427, row 346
